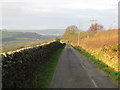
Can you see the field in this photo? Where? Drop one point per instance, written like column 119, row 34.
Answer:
column 100, row 39
column 13, row 40
column 10, row 48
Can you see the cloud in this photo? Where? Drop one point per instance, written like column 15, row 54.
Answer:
column 44, row 14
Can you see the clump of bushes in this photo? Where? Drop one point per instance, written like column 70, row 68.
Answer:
column 20, row 66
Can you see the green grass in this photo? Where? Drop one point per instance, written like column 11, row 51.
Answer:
column 112, row 73
column 44, row 74
column 8, row 34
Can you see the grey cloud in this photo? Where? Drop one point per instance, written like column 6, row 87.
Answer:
column 21, row 15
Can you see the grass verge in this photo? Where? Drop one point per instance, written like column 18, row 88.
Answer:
column 44, row 74
column 112, row 73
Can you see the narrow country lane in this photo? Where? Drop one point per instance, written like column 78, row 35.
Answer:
column 75, row 71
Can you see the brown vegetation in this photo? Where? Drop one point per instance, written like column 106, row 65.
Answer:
column 100, row 39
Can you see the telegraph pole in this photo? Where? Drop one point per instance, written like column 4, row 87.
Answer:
column 78, row 37
column 78, row 34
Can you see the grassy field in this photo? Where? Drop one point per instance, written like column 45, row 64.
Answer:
column 44, row 74
column 12, row 40
column 8, row 34
column 14, row 47
column 99, row 39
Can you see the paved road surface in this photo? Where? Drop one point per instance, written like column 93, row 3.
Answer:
column 75, row 71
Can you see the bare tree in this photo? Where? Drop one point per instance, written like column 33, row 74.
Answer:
column 95, row 27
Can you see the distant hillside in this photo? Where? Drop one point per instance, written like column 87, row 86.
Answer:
column 14, row 37
column 46, row 31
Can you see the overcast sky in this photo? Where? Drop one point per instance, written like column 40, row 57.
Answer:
column 57, row 14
